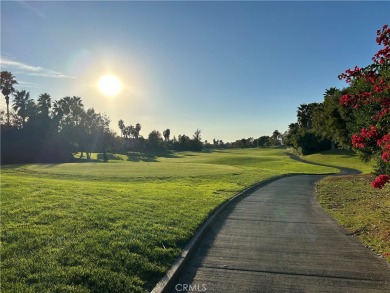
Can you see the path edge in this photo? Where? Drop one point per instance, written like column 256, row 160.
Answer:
column 167, row 281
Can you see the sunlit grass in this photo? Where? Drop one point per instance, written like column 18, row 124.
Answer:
column 117, row 226
column 341, row 158
column 363, row 210
column 351, row 200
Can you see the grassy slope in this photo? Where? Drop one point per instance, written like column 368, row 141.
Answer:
column 117, row 226
column 341, row 158
column 351, row 200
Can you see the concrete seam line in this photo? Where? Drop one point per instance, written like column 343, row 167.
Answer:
column 166, row 282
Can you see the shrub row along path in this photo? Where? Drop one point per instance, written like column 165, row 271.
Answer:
column 279, row 239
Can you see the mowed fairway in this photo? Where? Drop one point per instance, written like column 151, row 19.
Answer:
column 117, row 226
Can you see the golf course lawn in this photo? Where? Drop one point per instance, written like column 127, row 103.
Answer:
column 117, row 226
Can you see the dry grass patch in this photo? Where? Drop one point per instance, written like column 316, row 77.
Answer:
column 363, row 210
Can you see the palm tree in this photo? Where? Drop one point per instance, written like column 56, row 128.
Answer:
column 44, row 104
column 77, row 109
column 68, row 111
column 136, row 131
column 302, row 115
column 127, row 131
column 23, row 105
column 7, row 81
column 121, row 125
column 331, row 91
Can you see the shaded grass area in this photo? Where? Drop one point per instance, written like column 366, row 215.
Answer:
column 341, row 158
column 363, row 210
column 117, row 226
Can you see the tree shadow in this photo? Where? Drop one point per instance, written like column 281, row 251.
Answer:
column 343, row 152
column 150, row 156
column 141, row 157
column 12, row 166
column 343, row 170
column 83, row 160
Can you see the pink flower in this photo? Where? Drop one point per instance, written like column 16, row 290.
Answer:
column 358, row 141
column 344, row 100
column 386, row 156
column 370, row 133
column 385, row 140
column 380, row 181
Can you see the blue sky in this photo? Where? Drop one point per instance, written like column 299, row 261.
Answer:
column 232, row 69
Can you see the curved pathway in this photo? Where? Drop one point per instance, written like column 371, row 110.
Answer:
column 279, row 239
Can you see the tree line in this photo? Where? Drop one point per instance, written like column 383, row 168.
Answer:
column 328, row 124
column 47, row 130
column 131, row 140
column 355, row 117
column 322, row 126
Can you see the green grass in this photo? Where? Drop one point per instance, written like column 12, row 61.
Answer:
column 117, row 226
column 361, row 209
column 351, row 200
column 341, row 158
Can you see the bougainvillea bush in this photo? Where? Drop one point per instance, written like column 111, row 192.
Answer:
column 370, row 91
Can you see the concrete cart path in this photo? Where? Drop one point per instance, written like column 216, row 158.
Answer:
column 279, row 239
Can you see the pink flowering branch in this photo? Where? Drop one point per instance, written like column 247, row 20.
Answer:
column 375, row 138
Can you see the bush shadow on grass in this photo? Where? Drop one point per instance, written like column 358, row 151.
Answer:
column 339, row 152
column 150, row 156
column 83, row 160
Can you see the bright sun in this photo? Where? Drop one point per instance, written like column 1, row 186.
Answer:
column 110, row 85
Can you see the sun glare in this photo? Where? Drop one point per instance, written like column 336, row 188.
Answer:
column 110, row 85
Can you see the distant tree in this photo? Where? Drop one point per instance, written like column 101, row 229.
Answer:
column 239, row 143
column 197, row 136
column 166, row 134
column 127, row 131
column 336, row 120
column 103, row 135
column 7, row 82
column 121, row 126
column 263, row 141
column 154, row 140
column 23, row 105
column 304, row 115
column 184, row 142
column 196, row 143
column 69, row 114
column 90, row 131
column 136, row 130
column 77, row 109
column 309, row 142
column 276, row 137
column 44, row 105
column 218, row 143
column 68, row 111
column 250, row 142
column 290, row 139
